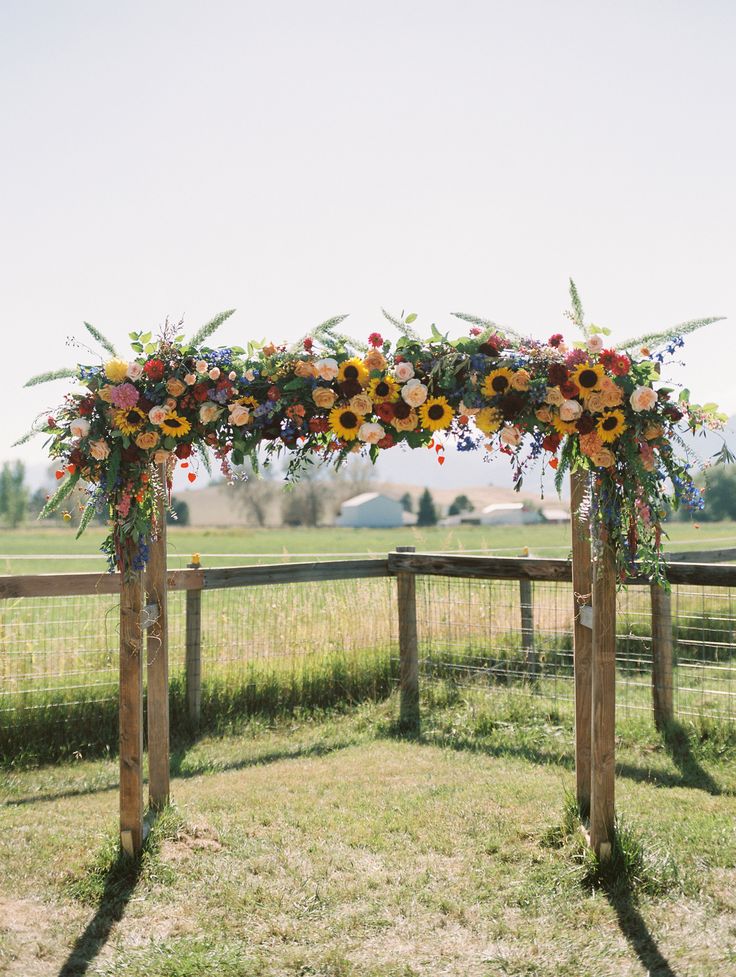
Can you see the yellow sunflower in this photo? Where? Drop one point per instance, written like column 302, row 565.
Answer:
column 247, row 402
column 353, row 369
column 563, row 427
column 383, row 390
column 345, row 422
column 489, row 420
column 129, row 419
column 435, row 414
column 175, row 426
column 497, row 382
column 587, row 377
column 611, row 425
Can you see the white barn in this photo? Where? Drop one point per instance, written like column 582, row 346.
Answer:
column 509, row 514
column 371, row 509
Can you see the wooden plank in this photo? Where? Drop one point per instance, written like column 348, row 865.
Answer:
column 479, row 567
column 85, row 584
column 131, row 715
column 157, row 659
column 582, row 638
column 408, row 649
column 662, row 703
column 526, row 604
column 701, row 574
column 603, row 700
column 702, row 556
column 193, row 660
column 224, row 577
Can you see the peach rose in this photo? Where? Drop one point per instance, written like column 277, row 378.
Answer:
column 269, row 350
column 554, row 397
column 232, row 375
column 370, row 433
column 590, row 444
column 135, row 370
column 570, row 410
column 511, row 436
column 161, row 456
column 157, row 415
column 175, row 387
column 214, row 373
column 375, row 360
column 403, row 371
column 201, row 366
column 414, row 393
column 464, row 410
column 327, row 368
column 653, row 431
column 406, row 423
column 147, row 440
column 79, row 427
column 305, row 368
column 190, row 379
column 170, row 402
column 643, row 398
column 209, row 412
column 603, row 458
column 250, row 375
column 544, row 414
column 105, row 393
column 324, row 397
column 99, row 449
column 361, row 404
column 520, row 380
column 239, row 415
column 595, row 402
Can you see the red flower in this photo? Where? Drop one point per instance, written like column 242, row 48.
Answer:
column 608, row 358
column 85, row 406
column 200, row 392
column 154, row 369
column 51, row 421
column 308, row 344
column 556, row 339
column 183, row 450
column 621, row 365
column 569, row 389
column 585, row 424
column 492, row 346
column 319, row 425
column 387, row 441
column 375, row 339
column 273, row 393
column 557, row 374
column 551, row 442
column 475, row 331
column 385, row 412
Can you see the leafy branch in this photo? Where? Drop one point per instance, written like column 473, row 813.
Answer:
column 209, row 327
column 51, row 375
column 101, row 339
column 488, row 326
column 403, row 325
column 667, row 335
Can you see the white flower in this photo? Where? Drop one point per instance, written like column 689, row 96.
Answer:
column 135, row 370
column 570, row 410
column 414, row 393
column 595, row 343
column 327, row 368
column 643, row 398
column 403, row 371
column 370, row 433
column 250, row 375
column 79, row 427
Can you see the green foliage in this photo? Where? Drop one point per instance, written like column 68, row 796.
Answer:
column 178, row 515
column 576, row 314
column 460, row 503
column 406, row 502
column 50, row 375
column 101, row 339
column 403, row 325
column 719, row 493
column 654, row 339
column 87, row 517
column 488, row 326
column 210, row 327
column 13, row 494
column 427, row 512
column 64, row 490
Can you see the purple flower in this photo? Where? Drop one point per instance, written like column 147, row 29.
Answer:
column 124, row 395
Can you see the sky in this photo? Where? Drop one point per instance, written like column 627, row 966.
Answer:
column 295, row 161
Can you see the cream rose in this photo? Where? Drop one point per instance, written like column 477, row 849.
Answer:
column 105, row 393
column 603, row 458
column 403, row 371
column 147, row 440
column 324, row 397
column 406, row 423
column 544, row 414
column 643, row 398
column 79, row 427
column 99, row 449
column 232, row 375
column 209, row 412
column 595, row 402
column 135, row 370
column 520, row 380
column 414, row 393
column 554, row 397
column 371, row 433
column 595, row 343
column 361, row 404
column 157, row 415
column 239, row 415
column 305, row 368
column 250, row 375
column 570, row 410
column 327, row 368
column 511, row 436
column 161, row 456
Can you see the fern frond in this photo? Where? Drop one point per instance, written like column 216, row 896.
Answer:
column 318, row 332
column 51, row 375
column 403, row 327
column 102, row 340
column 578, row 316
column 89, row 511
column 66, row 488
column 209, row 327
column 330, row 323
column 488, row 326
column 667, row 335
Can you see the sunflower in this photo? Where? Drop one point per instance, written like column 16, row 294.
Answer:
column 344, row 422
column 353, row 369
column 383, row 390
column 488, row 420
column 563, row 427
column 247, row 402
column 587, row 377
column 129, row 419
column 497, row 382
column 435, row 414
column 611, row 425
column 175, row 426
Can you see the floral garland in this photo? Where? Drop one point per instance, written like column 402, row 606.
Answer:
column 584, row 406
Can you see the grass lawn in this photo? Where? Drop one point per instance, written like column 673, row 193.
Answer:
column 542, row 540
column 330, row 847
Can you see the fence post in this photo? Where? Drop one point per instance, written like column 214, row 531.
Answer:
column 603, row 722
column 131, row 714
column 526, row 601
column 662, row 657
column 193, row 661
column 408, row 648
column 582, row 638
column 157, row 659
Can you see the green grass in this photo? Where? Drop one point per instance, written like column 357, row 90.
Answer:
column 328, row 846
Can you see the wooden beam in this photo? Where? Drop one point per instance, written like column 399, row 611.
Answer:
column 85, row 584
column 662, row 700
column 603, row 704
column 582, row 637
column 193, row 662
column 479, row 567
column 157, row 659
column 224, row 577
column 131, row 715
column 408, row 649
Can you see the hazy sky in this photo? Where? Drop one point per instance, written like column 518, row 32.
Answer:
column 297, row 160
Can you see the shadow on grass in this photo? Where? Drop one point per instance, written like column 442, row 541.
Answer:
column 677, row 743
column 637, row 935
column 119, row 885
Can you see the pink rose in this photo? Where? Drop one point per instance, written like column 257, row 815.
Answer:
column 214, row 373
column 403, row 371
column 643, row 398
column 135, row 370
column 595, row 345
column 157, row 415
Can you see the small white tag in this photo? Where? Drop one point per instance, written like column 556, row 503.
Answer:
column 149, row 615
column 586, row 616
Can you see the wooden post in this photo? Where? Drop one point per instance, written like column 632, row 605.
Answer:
column 157, row 645
column 582, row 638
column 193, row 661
column 131, row 714
column 662, row 657
column 603, row 719
column 526, row 598
column 408, row 649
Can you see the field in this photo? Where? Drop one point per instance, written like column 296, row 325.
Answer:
column 328, row 847
column 238, row 546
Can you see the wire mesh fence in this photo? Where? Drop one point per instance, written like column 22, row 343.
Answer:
column 323, row 643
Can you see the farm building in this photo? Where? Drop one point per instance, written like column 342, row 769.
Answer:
column 371, row 509
column 555, row 514
column 509, row 514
